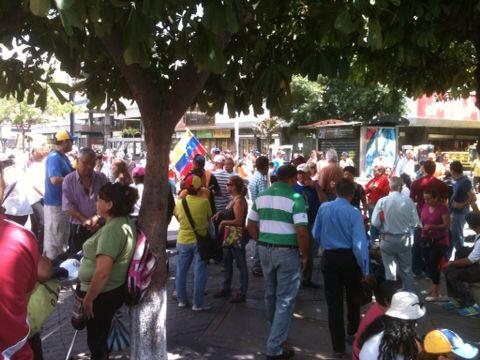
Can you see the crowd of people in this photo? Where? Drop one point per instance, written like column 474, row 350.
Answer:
column 401, row 224
column 404, row 222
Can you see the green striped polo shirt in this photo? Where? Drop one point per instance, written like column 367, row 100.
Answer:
column 278, row 210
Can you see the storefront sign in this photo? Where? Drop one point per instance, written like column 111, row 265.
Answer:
column 204, row 134
column 222, row 133
column 336, row 133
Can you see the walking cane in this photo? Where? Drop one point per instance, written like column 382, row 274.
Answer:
column 71, row 345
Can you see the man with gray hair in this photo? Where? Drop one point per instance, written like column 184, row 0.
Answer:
column 79, row 199
column 395, row 215
column 330, row 174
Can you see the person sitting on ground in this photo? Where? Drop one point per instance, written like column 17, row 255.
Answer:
column 444, row 344
column 383, row 295
column 461, row 272
column 106, row 258
column 201, row 212
column 393, row 336
column 120, row 172
column 435, row 240
column 233, row 220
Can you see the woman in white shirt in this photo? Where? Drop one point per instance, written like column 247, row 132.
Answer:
column 394, row 336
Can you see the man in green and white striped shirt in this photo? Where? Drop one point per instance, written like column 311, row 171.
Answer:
column 278, row 221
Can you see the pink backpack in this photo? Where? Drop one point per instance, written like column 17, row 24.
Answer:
column 140, row 271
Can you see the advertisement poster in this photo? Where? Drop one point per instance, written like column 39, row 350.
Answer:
column 380, row 147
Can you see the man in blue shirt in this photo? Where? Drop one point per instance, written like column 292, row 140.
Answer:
column 305, row 187
column 339, row 229
column 57, row 228
column 462, row 198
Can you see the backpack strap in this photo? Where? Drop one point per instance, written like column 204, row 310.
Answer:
column 189, row 215
column 9, row 192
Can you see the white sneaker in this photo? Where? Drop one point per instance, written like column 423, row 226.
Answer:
column 182, row 305
column 201, row 308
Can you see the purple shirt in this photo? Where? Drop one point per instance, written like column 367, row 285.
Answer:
column 75, row 197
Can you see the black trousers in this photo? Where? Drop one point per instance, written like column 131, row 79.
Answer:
column 78, row 235
column 433, row 255
column 341, row 275
column 458, row 279
column 37, row 219
column 308, row 270
column 104, row 307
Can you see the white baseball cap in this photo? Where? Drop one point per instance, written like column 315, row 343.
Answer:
column 406, row 306
column 302, row 168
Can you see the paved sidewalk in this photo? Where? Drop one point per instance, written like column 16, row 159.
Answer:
column 238, row 331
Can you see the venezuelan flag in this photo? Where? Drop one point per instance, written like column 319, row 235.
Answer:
column 183, row 153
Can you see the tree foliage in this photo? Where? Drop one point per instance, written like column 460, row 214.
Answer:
column 169, row 55
column 266, row 128
column 23, row 115
column 326, row 98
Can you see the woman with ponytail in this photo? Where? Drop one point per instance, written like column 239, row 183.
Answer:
column 232, row 227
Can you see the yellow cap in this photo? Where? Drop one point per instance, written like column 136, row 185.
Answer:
column 64, row 135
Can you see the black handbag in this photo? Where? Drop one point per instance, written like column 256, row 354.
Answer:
column 427, row 242
column 363, row 294
column 206, row 245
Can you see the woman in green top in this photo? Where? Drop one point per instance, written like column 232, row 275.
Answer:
column 106, row 258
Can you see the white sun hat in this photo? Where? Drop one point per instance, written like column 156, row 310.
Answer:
column 406, row 305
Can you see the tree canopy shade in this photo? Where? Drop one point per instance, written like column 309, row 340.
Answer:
column 168, row 55
column 328, row 98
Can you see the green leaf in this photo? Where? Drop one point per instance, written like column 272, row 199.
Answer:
column 231, row 18
column 343, row 22
column 375, row 38
column 62, row 86
column 216, row 60
column 40, row 7
column 31, row 97
column 64, row 4
column 42, row 99
column 396, row 2
column 58, row 94
column 214, row 18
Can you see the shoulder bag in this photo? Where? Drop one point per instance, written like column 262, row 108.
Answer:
column 206, row 245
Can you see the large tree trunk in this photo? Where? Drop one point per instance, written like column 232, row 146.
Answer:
column 160, row 113
column 149, row 317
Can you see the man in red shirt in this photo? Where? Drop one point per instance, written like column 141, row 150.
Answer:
column 376, row 189
column 20, row 270
column 429, row 181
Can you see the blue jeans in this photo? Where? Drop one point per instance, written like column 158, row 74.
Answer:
column 457, row 223
column 281, row 276
column 229, row 254
column 256, row 258
column 186, row 254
